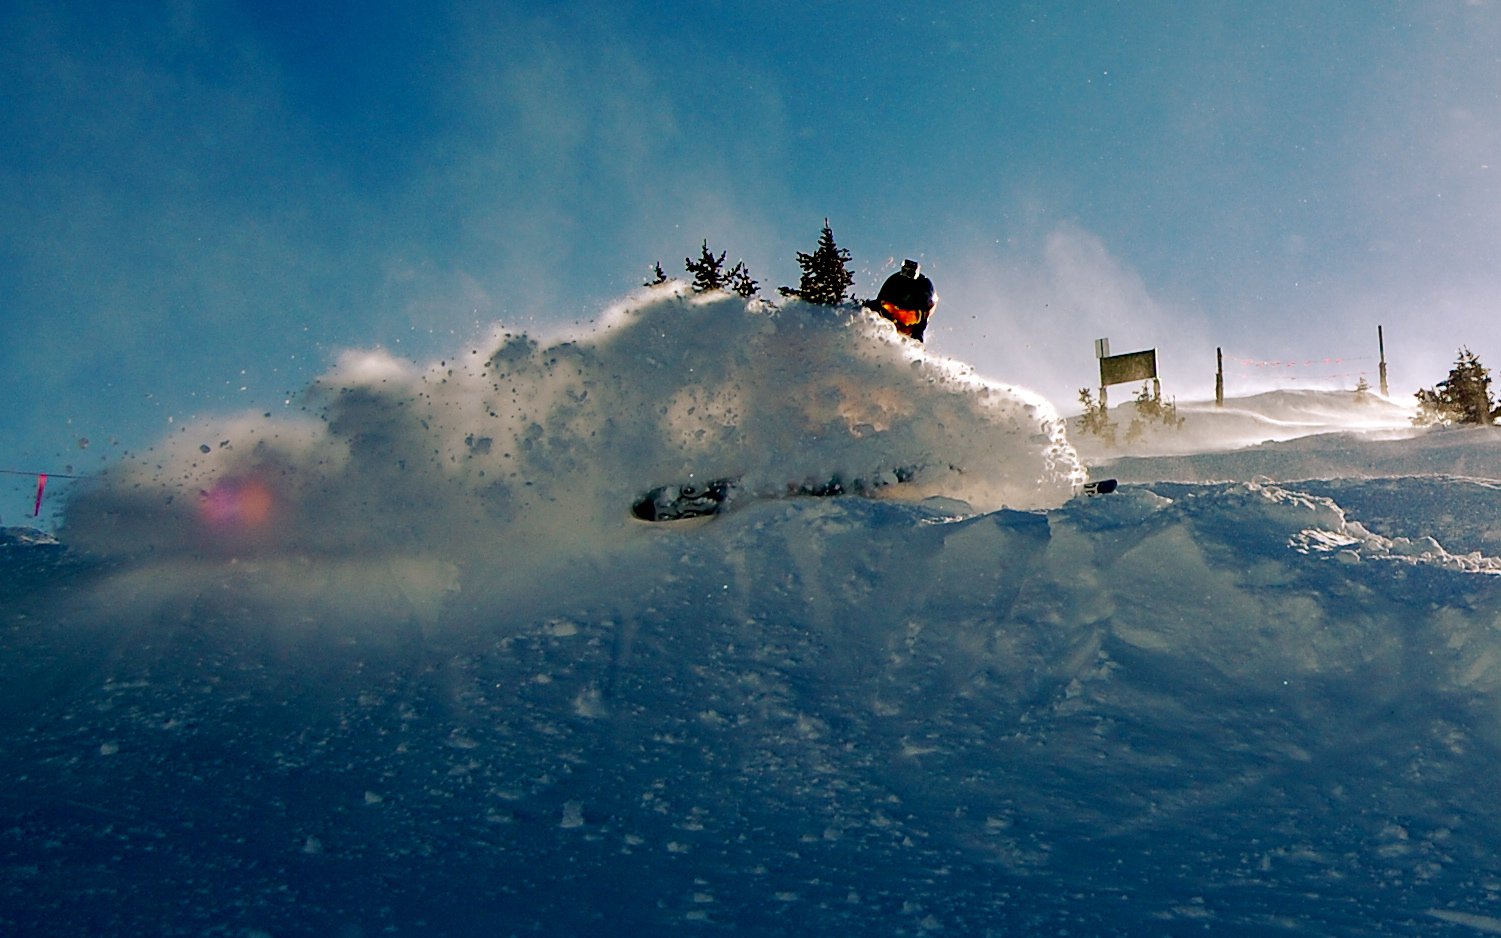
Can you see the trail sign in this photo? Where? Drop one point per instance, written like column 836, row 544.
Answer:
column 1124, row 369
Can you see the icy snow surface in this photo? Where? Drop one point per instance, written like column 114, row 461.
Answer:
column 406, row 667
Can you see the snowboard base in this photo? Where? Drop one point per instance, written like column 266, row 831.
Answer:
column 1100, row 487
column 679, row 502
column 675, row 502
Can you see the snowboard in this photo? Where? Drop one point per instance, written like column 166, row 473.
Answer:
column 679, row 502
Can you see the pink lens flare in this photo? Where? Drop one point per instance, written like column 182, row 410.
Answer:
column 242, row 504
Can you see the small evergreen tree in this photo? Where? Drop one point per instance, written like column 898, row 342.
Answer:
column 739, row 281
column 1096, row 418
column 707, row 270
column 659, row 276
column 1465, row 397
column 1151, row 407
column 826, row 277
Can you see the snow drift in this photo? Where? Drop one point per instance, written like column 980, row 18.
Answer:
column 297, row 685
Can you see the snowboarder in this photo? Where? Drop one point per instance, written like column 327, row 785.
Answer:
column 907, row 299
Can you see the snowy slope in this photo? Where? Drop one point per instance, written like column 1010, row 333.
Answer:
column 345, row 675
column 1289, row 435
column 1268, row 417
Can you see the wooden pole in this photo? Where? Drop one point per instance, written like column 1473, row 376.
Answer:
column 1381, row 342
column 1102, row 352
column 1219, row 377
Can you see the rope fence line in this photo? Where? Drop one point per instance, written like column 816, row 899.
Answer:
column 1247, row 361
column 41, row 484
column 1291, row 369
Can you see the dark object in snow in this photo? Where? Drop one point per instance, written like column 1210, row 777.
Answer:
column 1100, row 487
column 907, row 299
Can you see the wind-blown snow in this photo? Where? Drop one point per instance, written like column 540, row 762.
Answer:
column 1268, row 417
column 515, row 456
column 404, row 666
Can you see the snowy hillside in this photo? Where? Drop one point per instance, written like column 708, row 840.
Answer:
column 404, row 666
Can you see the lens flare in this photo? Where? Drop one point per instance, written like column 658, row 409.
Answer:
column 237, row 504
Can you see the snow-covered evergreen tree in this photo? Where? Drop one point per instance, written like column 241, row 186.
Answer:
column 1464, row 397
column 707, row 271
column 826, row 277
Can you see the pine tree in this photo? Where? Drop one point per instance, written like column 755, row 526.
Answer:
column 706, row 271
column 1465, row 397
column 739, row 281
column 826, row 277
column 1096, row 418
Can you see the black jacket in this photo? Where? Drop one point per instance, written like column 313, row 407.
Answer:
column 901, row 296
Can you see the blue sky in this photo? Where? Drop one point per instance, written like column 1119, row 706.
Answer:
column 207, row 201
